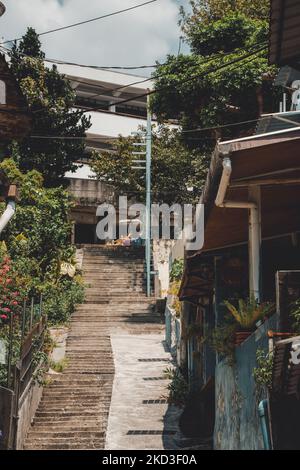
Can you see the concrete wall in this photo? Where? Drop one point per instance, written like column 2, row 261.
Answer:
column 89, row 192
column 237, row 424
column 161, row 261
column 28, row 405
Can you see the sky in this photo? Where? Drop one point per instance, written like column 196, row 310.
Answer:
column 138, row 37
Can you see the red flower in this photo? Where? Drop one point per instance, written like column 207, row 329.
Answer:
column 3, row 317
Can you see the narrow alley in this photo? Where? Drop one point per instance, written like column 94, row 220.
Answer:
column 115, row 351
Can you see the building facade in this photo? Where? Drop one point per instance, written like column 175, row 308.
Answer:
column 98, row 91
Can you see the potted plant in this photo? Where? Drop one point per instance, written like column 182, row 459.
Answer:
column 247, row 314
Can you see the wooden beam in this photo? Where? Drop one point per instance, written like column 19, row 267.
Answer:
column 264, row 182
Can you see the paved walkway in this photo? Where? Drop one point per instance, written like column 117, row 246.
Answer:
column 140, row 361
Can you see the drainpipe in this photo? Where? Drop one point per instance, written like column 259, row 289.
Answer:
column 7, row 215
column 254, row 227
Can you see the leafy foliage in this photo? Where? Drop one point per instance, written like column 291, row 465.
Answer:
column 38, row 241
column 193, row 90
column 177, row 270
column 51, row 99
column 10, row 295
column 175, row 169
column 249, row 312
column 295, row 314
column 62, row 298
column 263, row 372
column 178, row 387
column 234, row 31
column 207, row 11
column 175, row 302
column 222, row 340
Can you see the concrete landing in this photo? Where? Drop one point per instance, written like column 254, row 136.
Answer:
column 134, row 424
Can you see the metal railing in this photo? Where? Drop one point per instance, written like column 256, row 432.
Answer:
column 26, row 337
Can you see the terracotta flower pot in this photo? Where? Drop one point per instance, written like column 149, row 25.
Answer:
column 241, row 336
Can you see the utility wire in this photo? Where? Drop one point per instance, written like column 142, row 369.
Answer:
column 193, row 77
column 199, row 129
column 87, row 21
column 76, row 64
column 187, row 80
column 181, row 131
column 145, row 80
column 111, row 90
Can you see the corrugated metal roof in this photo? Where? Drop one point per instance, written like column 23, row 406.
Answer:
column 278, row 122
column 284, row 47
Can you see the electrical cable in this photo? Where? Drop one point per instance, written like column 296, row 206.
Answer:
column 87, row 21
column 111, row 90
column 151, row 92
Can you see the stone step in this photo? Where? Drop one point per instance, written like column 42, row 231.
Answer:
column 65, row 443
column 98, row 445
column 68, row 426
column 41, row 435
column 70, row 420
column 74, row 409
column 79, row 415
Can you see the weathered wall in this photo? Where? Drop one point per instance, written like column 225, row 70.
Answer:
column 161, row 262
column 237, row 424
column 28, row 406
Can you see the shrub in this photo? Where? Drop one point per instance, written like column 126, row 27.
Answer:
column 295, row 314
column 178, row 387
column 177, row 270
column 222, row 341
column 249, row 312
column 60, row 300
column 263, row 372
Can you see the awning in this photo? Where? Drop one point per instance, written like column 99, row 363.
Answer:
column 271, row 161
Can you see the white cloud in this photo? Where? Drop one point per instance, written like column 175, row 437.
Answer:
column 137, row 37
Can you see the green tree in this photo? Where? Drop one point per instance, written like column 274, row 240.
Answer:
column 206, row 11
column 178, row 173
column 51, row 99
column 198, row 91
column 38, row 236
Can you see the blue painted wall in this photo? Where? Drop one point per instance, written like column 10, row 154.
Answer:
column 237, row 424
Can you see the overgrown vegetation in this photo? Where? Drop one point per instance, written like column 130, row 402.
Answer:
column 178, row 387
column 295, row 315
column 176, row 272
column 178, row 174
column 51, row 100
column 173, row 292
column 36, row 256
column 59, row 366
column 248, row 312
column 222, row 340
column 197, row 89
column 263, row 372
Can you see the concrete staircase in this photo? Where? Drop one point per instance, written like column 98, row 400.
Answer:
column 74, row 409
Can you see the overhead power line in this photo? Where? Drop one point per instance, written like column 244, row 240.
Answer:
column 108, row 15
column 76, row 64
column 143, row 80
column 105, row 139
column 251, row 55
column 202, row 129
